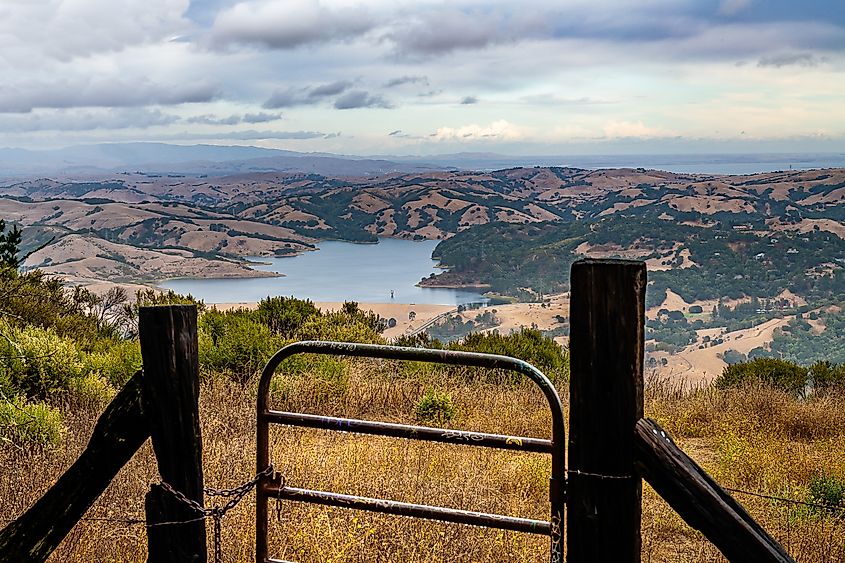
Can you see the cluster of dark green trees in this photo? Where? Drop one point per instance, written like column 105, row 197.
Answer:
column 819, row 378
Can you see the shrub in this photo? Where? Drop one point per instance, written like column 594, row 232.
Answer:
column 342, row 327
column 828, row 490
column 527, row 344
column 285, row 315
column 41, row 363
column 235, row 343
column 116, row 363
column 780, row 374
column 419, row 340
column 91, row 390
column 29, row 424
column 435, row 406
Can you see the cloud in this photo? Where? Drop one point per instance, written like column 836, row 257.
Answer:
column 258, row 135
column 288, row 24
column 64, row 30
column 261, row 117
column 253, row 135
column 213, row 120
column 793, row 59
column 469, row 100
column 441, row 32
column 291, row 97
column 402, row 80
column 632, row 129
column 85, row 120
column 331, row 89
column 498, row 130
column 104, row 92
column 361, row 99
column 288, row 98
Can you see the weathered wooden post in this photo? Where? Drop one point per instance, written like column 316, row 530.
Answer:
column 604, row 494
column 168, row 337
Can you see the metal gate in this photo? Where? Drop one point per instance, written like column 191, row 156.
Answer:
column 272, row 486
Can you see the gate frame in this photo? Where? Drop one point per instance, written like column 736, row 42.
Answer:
column 272, row 486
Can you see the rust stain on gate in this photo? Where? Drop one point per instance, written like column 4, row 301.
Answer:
column 272, row 486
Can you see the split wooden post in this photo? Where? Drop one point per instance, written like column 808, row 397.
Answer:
column 168, row 336
column 700, row 501
column 604, row 493
column 119, row 432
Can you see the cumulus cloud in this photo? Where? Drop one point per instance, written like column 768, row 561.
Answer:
column 288, row 24
column 498, row 130
column 791, row 59
column 469, row 100
column 361, row 99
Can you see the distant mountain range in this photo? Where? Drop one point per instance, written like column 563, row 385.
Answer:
column 220, row 160
column 212, row 160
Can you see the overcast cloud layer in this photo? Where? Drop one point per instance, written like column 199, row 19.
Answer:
column 405, row 77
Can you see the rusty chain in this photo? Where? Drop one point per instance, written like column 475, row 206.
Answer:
column 216, row 512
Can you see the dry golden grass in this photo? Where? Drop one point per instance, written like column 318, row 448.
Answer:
column 755, row 439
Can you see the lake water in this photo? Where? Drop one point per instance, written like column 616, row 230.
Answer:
column 339, row 271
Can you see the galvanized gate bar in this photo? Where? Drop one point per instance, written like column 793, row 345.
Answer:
column 445, row 435
column 414, row 510
column 269, row 486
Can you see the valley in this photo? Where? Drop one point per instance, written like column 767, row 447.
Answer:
column 711, row 242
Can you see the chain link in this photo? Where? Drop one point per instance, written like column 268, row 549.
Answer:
column 218, row 511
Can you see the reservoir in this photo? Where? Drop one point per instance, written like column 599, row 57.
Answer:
column 338, row 271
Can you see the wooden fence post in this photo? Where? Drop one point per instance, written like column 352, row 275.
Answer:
column 604, row 493
column 168, row 336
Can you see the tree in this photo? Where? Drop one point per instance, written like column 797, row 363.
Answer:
column 9, row 246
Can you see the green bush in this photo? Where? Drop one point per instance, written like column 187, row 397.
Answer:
column 234, row 342
column 114, row 360
column 285, row 315
column 828, row 490
column 340, row 326
column 527, row 344
column 91, row 390
column 40, row 363
column 435, row 406
column 780, row 374
column 42, row 301
column 24, row 424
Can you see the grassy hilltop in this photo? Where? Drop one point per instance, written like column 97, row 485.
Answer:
column 64, row 353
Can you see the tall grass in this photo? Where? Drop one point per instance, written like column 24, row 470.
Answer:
column 754, row 438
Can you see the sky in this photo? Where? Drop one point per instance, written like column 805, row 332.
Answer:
column 399, row 77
